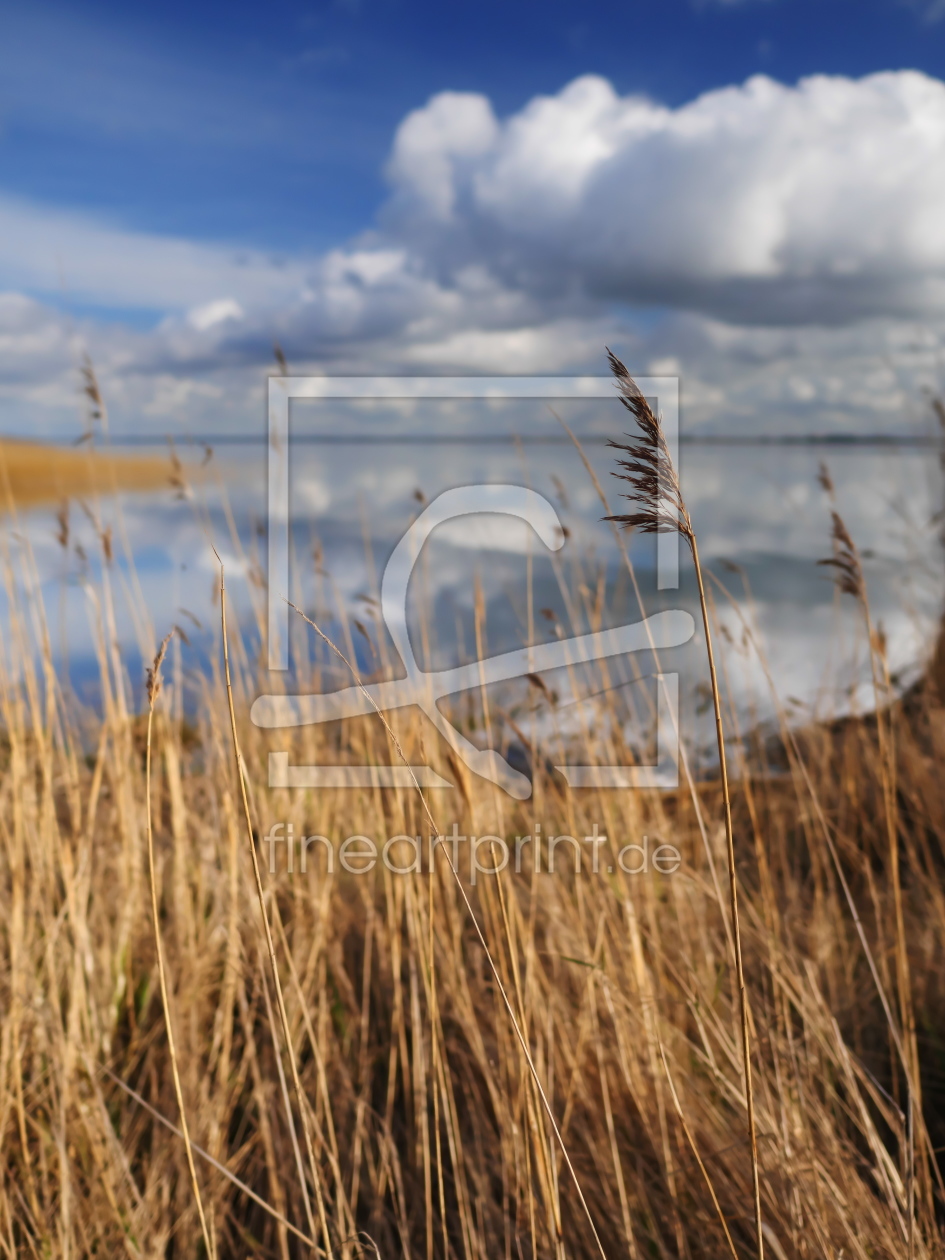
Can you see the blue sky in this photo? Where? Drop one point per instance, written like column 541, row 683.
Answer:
column 182, row 186
column 269, row 125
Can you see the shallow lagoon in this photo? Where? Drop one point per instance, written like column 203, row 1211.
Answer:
column 358, row 480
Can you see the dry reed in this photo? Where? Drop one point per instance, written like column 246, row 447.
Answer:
column 153, row 688
column 423, row 1126
column 659, row 507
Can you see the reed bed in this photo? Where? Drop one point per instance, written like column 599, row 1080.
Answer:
column 388, row 1080
column 32, row 473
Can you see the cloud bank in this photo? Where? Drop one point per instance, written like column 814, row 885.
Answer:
column 782, row 247
column 816, row 203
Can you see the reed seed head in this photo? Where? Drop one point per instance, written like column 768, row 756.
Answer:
column 62, row 520
column 845, row 561
column 647, row 466
column 91, row 390
column 154, row 672
column 825, row 480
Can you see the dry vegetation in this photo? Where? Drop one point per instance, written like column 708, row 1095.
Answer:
column 32, row 473
column 420, row 1127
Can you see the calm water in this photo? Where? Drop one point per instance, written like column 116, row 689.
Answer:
column 763, row 522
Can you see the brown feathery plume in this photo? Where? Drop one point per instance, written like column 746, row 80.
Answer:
column 62, row 520
column 648, row 467
column 97, row 411
column 178, row 479
column 845, row 561
column 825, row 480
column 659, row 508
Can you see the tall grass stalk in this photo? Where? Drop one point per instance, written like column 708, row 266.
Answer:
column 656, row 494
column 848, row 572
column 270, row 947
column 214, row 1163
column 153, row 687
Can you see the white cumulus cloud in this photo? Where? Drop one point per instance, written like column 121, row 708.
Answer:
column 814, row 203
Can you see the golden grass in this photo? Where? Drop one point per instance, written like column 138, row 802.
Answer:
column 33, row 473
column 423, row 1113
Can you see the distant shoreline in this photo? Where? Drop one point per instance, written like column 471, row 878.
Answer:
column 34, row 473
column 931, row 441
